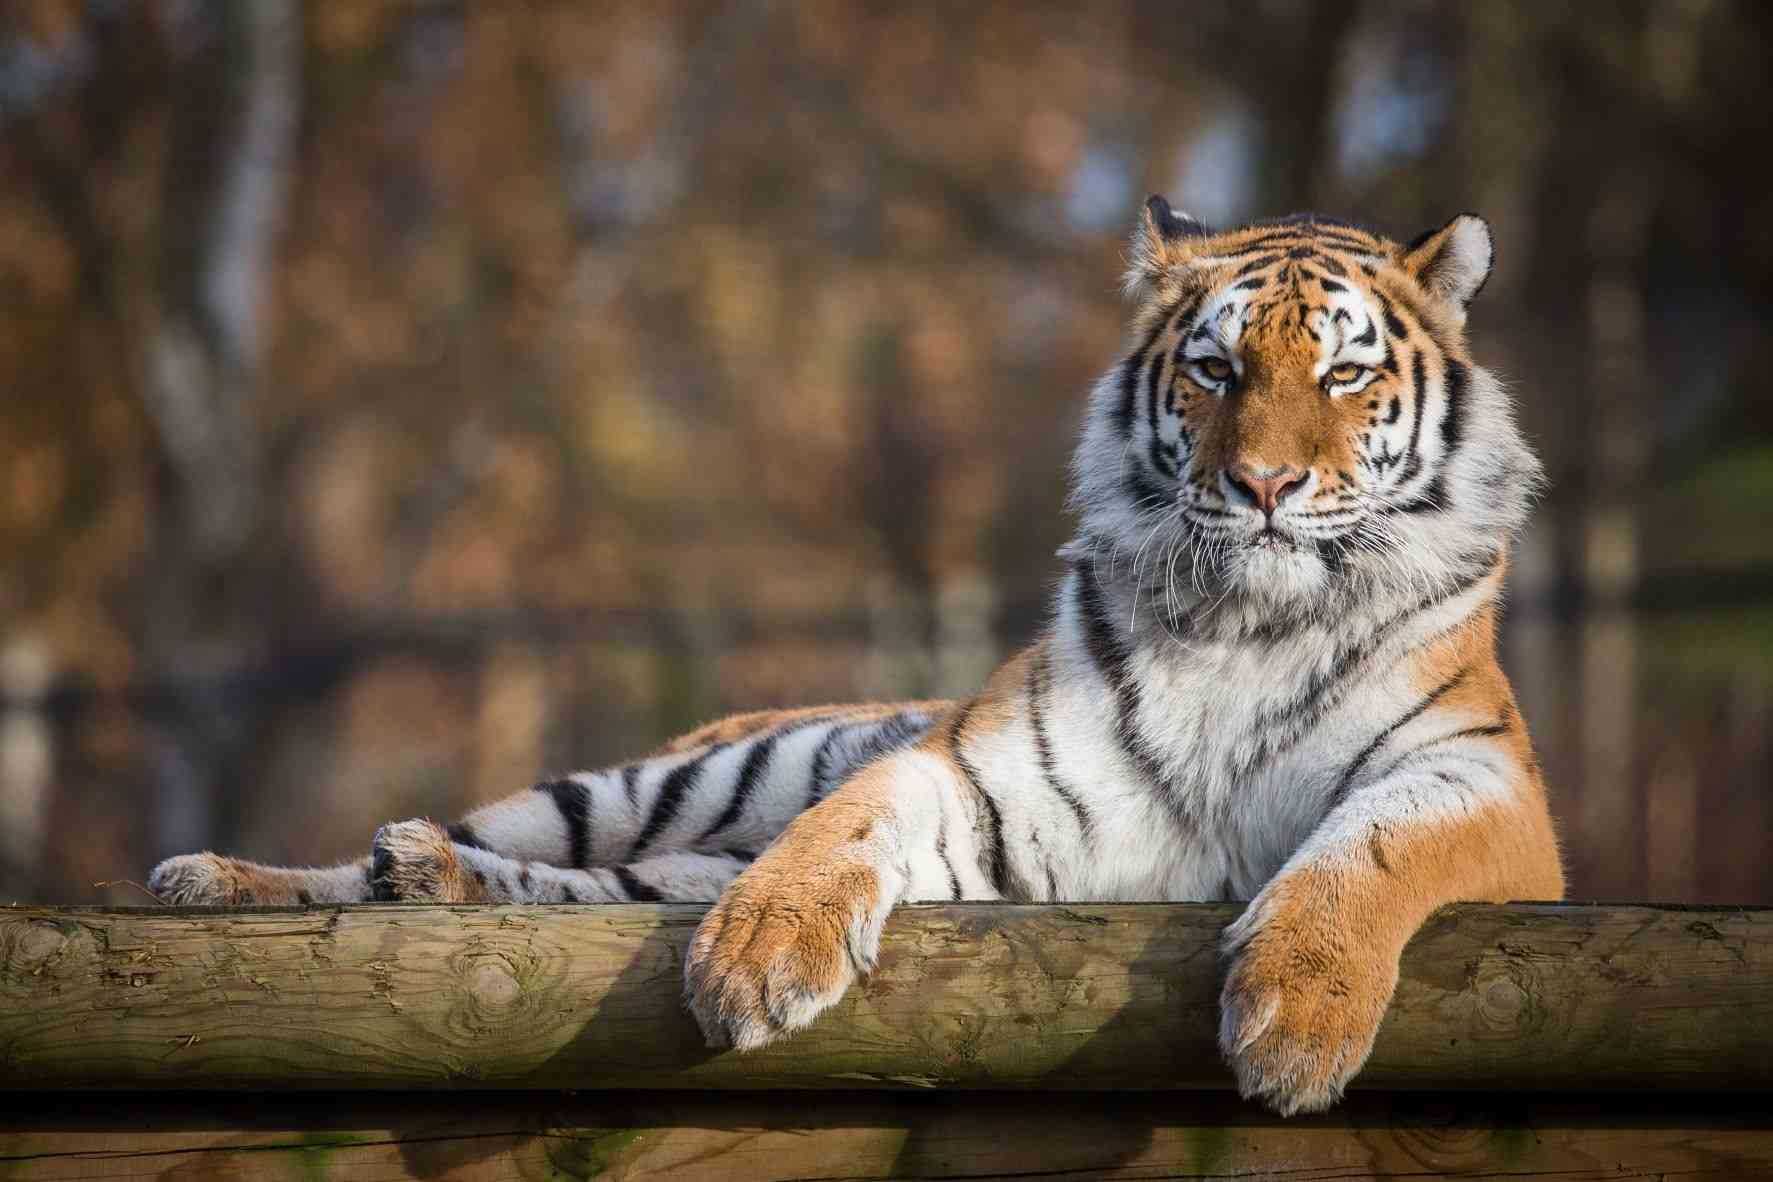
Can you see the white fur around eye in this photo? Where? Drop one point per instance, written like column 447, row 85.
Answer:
column 1196, row 367
column 1339, row 389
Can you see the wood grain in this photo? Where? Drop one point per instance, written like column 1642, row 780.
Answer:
column 988, row 996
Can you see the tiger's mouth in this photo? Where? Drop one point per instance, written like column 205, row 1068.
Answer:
column 1272, row 537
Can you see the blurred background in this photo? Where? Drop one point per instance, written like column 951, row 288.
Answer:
column 400, row 401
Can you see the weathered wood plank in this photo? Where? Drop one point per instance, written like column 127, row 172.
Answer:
column 975, row 995
column 716, row 1137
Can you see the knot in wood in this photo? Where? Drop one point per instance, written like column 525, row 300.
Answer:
column 492, row 983
column 1508, row 991
column 37, row 946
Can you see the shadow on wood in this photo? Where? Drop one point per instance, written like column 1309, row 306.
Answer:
column 875, row 1135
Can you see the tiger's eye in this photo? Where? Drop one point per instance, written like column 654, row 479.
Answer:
column 1216, row 368
column 1345, row 373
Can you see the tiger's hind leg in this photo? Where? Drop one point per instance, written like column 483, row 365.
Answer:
column 211, row 880
column 717, row 796
column 417, row 861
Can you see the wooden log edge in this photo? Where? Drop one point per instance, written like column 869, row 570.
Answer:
column 991, row 996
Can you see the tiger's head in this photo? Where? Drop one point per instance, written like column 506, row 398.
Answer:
column 1299, row 417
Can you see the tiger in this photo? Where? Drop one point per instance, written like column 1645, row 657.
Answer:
column 1269, row 676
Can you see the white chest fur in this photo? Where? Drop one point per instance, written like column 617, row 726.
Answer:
column 1249, row 738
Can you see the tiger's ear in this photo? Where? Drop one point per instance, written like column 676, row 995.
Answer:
column 1453, row 261
column 1154, row 243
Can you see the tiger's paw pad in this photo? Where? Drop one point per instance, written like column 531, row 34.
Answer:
column 200, row 880
column 415, row 862
column 759, row 968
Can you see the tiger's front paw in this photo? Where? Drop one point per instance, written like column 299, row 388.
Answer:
column 780, row 947
column 1301, row 1004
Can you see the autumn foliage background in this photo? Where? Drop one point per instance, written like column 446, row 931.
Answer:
column 402, row 401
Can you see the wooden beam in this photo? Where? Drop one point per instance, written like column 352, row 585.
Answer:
column 736, row 1136
column 1087, row 996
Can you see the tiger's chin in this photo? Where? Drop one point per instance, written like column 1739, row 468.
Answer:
column 1278, row 569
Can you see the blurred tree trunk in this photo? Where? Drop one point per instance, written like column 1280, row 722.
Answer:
column 233, row 135
column 1500, row 158
column 1297, row 117
column 1588, row 302
column 1610, row 812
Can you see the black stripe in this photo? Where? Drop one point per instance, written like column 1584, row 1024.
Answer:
column 573, row 800
column 1282, row 728
column 815, row 785
column 304, row 898
column 1154, row 376
column 1154, row 386
column 942, row 853
column 889, row 734
column 1411, row 315
column 631, row 785
column 1111, row 658
column 1419, row 382
column 1043, row 748
column 568, row 895
column 1488, row 731
column 997, row 863
column 1453, row 421
column 669, row 802
column 1432, row 498
column 1410, row 715
column 1393, row 325
column 463, row 833
column 525, row 879
column 757, row 761
column 1256, row 264
column 1144, row 491
column 636, row 890
column 1129, row 377
column 737, row 855
column 1308, row 234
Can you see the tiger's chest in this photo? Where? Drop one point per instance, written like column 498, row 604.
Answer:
column 1253, row 740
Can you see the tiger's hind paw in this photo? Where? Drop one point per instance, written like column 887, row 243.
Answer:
column 201, row 880
column 415, row 862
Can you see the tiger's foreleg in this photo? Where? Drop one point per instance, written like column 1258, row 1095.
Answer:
column 1314, row 958
column 796, row 928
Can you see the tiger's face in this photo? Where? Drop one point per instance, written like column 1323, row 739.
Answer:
column 1300, row 406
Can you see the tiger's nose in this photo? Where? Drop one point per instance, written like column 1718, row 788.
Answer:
column 1266, row 488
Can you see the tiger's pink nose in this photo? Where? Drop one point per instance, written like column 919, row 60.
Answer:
column 1266, row 488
